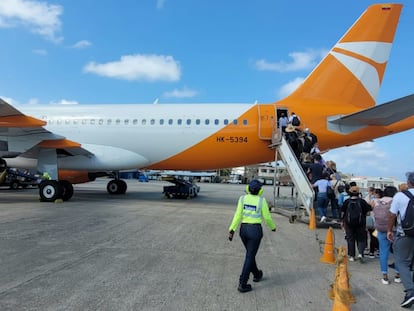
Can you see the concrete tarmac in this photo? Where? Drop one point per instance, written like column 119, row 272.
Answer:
column 141, row 251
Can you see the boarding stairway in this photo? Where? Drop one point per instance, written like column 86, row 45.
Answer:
column 304, row 189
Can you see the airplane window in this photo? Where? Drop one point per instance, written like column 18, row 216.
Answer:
column 161, row 121
column 198, row 121
column 207, row 122
column 244, row 122
column 188, row 121
column 50, row 122
column 83, row 121
column 152, row 121
column 135, row 121
column 235, row 121
column 67, row 121
column 75, row 121
column 100, row 121
column 216, row 122
column 117, row 121
column 179, row 121
column 126, row 121
column 109, row 121
column 92, row 121
column 144, row 121
column 170, row 121
column 59, row 121
column 226, row 121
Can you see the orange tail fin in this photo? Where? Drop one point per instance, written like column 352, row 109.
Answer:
column 352, row 72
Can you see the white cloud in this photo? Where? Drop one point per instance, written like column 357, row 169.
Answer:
column 138, row 67
column 183, row 93
column 81, row 44
column 300, row 61
column 39, row 17
column 289, row 87
column 64, row 102
column 160, row 4
column 40, row 51
column 361, row 159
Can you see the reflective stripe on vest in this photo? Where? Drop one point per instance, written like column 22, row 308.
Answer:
column 252, row 210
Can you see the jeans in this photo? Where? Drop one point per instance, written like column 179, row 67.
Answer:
column 384, row 248
column 322, row 203
column 403, row 255
column 251, row 235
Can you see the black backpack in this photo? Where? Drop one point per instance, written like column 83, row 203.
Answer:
column 354, row 212
column 295, row 121
column 407, row 223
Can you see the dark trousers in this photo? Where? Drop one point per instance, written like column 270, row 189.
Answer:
column 403, row 256
column 251, row 235
column 356, row 234
column 373, row 241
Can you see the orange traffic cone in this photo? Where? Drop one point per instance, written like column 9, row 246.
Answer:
column 328, row 252
column 312, row 220
column 342, row 293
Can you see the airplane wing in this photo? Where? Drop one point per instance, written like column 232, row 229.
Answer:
column 21, row 135
column 381, row 115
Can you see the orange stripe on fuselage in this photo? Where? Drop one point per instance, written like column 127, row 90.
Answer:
column 231, row 146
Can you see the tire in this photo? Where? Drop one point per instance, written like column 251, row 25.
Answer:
column 67, row 190
column 50, row 191
column 116, row 186
column 14, row 185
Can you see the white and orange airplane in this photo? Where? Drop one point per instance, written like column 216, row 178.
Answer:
column 337, row 102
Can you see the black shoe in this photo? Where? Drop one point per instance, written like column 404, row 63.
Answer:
column 244, row 288
column 392, row 265
column 258, row 277
column 408, row 301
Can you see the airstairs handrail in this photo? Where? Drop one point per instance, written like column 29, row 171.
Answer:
column 296, row 172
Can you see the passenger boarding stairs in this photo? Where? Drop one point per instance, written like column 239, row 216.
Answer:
column 299, row 178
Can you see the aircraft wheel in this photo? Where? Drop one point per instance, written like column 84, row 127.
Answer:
column 67, row 189
column 50, row 190
column 122, row 186
column 116, row 186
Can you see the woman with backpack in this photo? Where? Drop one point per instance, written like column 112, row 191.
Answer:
column 353, row 216
column 381, row 211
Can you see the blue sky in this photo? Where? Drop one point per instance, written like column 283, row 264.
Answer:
column 94, row 52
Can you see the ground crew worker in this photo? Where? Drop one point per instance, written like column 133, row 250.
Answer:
column 250, row 210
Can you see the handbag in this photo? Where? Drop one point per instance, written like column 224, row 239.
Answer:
column 330, row 192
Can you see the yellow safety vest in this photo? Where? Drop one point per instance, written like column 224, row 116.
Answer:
column 250, row 210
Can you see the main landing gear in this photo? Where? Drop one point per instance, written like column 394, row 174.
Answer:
column 116, row 186
column 52, row 190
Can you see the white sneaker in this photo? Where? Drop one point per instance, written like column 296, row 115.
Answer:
column 397, row 279
column 323, row 219
column 351, row 258
column 361, row 258
column 385, row 281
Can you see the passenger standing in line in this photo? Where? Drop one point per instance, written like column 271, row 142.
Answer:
column 370, row 223
column 354, row 212
column 283, row 122
column 381, row 211
column 403, row 245
column 251, row 208
column 322, row 197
